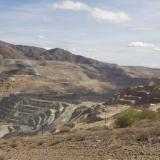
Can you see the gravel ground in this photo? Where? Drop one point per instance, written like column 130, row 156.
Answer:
column 94, row 144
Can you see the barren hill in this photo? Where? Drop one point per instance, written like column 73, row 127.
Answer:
column 11, row 51
column 46, row 89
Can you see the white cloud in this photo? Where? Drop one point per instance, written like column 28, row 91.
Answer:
column 91, row 49
column 40, row 37
column 96, row 13
column 156, row 49
column 70, row 5
column 103, row 15
column 141, row 44
column 152, row 46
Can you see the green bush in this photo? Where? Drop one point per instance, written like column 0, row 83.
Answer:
column 130, row 116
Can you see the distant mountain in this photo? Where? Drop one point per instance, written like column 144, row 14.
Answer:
column 11, row 51
column 104, row 76
column 63, row 55
column 7, row 51
column 29, row 51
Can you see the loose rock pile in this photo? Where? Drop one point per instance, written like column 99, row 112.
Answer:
column 138, row 95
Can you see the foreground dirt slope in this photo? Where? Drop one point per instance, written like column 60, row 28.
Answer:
column 94, row 144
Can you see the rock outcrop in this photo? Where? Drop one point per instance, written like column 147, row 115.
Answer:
column 138, row 95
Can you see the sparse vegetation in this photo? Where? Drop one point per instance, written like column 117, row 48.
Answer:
column 40, row 143
column 1, row 60
column 64, row 129
column 13, row 145
column 130, row 116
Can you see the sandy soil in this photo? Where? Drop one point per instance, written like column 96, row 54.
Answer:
column 93, row 144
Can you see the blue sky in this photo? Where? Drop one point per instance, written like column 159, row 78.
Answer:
column 124, row 32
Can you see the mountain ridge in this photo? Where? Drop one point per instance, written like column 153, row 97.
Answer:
column 65, row 69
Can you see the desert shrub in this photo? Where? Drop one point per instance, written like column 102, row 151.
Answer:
column 13, row 145
column 64, row 129
column 158, row 110
column 1, row 60
column 126, row 118
column 130, row 116
column 40, row 143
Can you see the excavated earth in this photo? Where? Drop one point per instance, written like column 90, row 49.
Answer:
column 38, row 97
column 27, row 116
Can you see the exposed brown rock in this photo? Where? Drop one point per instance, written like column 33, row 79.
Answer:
column 139, row 95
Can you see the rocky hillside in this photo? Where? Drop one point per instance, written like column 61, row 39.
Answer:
column 11, row 51
column 44, row 90
column 6, row 51
column 146, row 95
